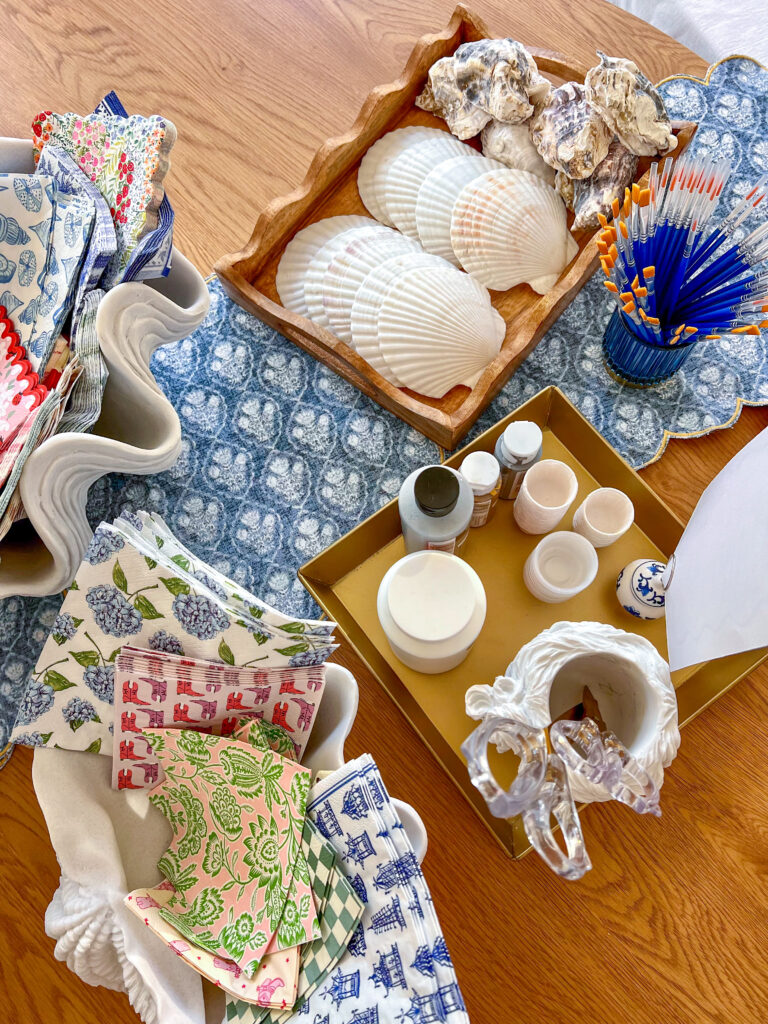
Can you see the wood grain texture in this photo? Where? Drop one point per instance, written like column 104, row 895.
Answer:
column 670, row 925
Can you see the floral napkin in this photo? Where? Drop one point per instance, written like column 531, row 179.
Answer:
column 20, row 387
column 231, row 808
column 27, row 213
column 155, row 689
column 121, row 596
column 126, row 158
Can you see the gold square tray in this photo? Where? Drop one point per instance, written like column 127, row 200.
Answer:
column 344, row 580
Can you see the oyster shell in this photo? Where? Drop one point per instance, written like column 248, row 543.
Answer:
column 496, row 75
column 593, row 195
column 630, row 105
column 564, row 186
column 569, row 132
column 511, row 144
column 442, row 96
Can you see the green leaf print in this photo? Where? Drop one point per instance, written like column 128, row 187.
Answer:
column 225, row 812
column 182, row 881
column 118, row 578
column 46, row 736
column 114, row 654
column 145, row 608
column 293, row 649
column 56, row 680
column 225, row 653
column 255, row 611
column 235, row 937
column 160, row 542
column 272, row 774
column 293, row 627
column 93, row 748
column 73, row 585
column 86, row 658
column 181, row 561
column 243, row 771
column 151, row 563
column 175, row 585
column 206, row 907
column 78, row 622
column 213, row 860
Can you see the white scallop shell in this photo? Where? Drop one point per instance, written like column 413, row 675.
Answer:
column 511, row 144
column 296, row 257
column 508, row 227
column 373, row 176
column 434, row 204
column 437, row 328
column 365, row 308
column 317, row 267
column 407, row 173
column 349, row 268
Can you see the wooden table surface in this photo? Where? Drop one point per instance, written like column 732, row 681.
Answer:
column 670, row 925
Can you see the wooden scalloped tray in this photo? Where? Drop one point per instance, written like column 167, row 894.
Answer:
column 330, row 188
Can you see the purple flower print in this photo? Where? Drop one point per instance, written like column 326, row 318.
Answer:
column 199, row 615
column 36, row 701
column 64, row 626
column 79, row 711
column 100, row 680
column 103, row 545
column 316, row 657
column 112, row 612
column 211, row 584
column 162, row 641
column 31, row 739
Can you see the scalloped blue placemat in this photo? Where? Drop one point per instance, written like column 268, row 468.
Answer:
column 281, row 457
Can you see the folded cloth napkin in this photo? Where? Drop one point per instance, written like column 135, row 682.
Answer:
column 397, row 966
column 27, row 214
column 152, row 256
column 234, row 810
column 155, row 689
column 84, row 406
column 108, row 843
column 127, row 159
column 119, row 596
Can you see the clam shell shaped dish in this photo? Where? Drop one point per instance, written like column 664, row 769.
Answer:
column 508, row 227
column 138, row 431
column 625, row 674
column 108, row 843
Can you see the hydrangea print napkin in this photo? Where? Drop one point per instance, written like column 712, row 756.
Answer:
column 122, row 596
column 155, row 689
column 397, row 967
column 234, row 810
column 126, row 158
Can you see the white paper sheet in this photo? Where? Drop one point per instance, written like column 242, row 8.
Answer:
column 717, row 598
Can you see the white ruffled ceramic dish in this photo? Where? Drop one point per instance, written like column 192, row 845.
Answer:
column 108, row 843
column 138, row 431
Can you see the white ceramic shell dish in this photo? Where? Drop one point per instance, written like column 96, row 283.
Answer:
column 138, row 431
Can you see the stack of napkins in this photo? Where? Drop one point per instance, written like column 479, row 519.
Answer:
column 253, row 894
column 138, row 585
column 396, row 968
column 154, row 689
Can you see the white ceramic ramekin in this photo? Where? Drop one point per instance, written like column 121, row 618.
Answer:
column 605, row 515
column 545, row 495
column 138, row 431
column 431, row 606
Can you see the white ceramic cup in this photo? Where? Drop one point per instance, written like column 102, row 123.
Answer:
column 605, row 515
column 560, row 566
column 545, row 495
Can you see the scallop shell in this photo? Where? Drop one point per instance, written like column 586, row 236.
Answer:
column 569, row 133
column 349, row 268
column 437, row 328
column 365, row 308
column 594, row 195
column 289, row 280
column 495, row 75
column 393, row 168
column 511, row 145
column 314, row 275
column 630, row 106
column 438, row 193
column 508, row 227
column 442, row 96
column 407, row 173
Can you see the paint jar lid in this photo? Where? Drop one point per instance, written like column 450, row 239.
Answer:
column 436, row 490
column 481, row 471
column 522, row 439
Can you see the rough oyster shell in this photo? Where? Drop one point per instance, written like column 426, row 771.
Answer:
column 630, row 105
column 564, row 186
column 569, row 132
column 511, row 145
column 593, row 195
column 496, row 75
column 442, row 96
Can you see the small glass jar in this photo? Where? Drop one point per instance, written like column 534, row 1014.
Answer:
column 435, row 505
column 517, row 449
column 482, row 473
column 636, row 362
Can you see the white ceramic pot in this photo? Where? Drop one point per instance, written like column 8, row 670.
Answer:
column 138, row 431
column 625, row 673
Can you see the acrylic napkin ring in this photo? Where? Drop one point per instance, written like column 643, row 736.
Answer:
column 529, row 744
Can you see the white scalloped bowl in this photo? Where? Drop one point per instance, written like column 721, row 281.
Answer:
column 138, row 431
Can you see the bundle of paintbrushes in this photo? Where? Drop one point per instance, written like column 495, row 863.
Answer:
column 674, row 278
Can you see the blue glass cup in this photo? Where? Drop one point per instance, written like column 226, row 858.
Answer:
column 636, row 362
